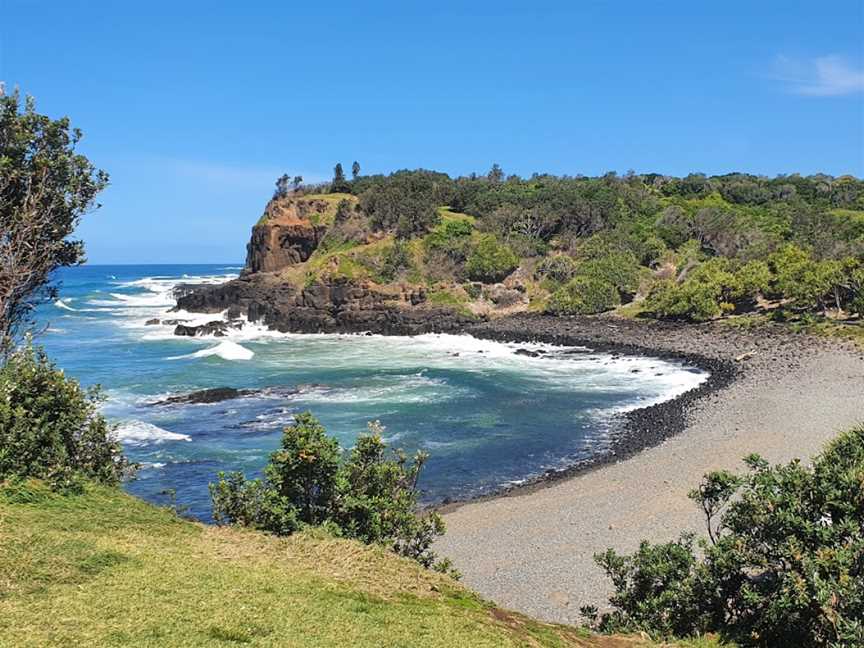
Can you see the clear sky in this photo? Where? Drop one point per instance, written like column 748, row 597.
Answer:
column 194, row 108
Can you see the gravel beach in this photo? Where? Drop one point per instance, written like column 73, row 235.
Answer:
column 776, row 393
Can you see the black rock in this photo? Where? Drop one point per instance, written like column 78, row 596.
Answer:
column 527, row 352
column 213, row 395
column 152, row 322
column 217, row 328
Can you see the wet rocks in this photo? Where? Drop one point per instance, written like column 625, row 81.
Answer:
column 213, row 395
column 527, row 352
column 332, row 306
column 218, row 394
column 216, row 328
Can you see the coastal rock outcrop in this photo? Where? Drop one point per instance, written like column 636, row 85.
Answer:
column 273, row 292
column 288, row 233
column 339, row 305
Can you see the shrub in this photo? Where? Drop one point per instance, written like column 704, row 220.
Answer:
column 713, row 288
column 450, row 237
column 856, row 304
column 50, row 428
column 809, row 284
column 490, row 261
column 783, row 567
column 559, row 268
column 584, row 295
column 371, row 496
column 395, row 260
column 617, row 268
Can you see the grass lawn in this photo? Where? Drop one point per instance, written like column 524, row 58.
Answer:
column 106, row 569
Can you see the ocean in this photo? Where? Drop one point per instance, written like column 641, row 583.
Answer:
column 488, row 416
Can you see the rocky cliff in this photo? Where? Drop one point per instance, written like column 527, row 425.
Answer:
column 288, row 233
column 270, row 292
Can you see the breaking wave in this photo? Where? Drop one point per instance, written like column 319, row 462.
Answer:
column 140, row 433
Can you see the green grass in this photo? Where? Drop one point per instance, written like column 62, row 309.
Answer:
column 447, row 214
column 106, row 569
column 324, row 217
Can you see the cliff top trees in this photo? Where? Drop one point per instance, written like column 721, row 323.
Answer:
column 281, row 186
column 355, row 169
column 339, row 184
column 45, row 188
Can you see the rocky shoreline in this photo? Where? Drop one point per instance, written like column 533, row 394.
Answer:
column 631, row 431
column 785, row 396
column 725, row 353
column 721, row 350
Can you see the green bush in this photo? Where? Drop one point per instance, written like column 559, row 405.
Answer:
column 808, row 283
column 856, row 304
column 490, row 261
column 782, row 566
column 50, row 428
column 450, row 237
column 395, row 260
column 370, row 496
column 584, row 295
column 711, row 289
column 560, row 268
column 617, row 268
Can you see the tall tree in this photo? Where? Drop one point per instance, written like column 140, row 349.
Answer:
column 355, row 169
column 298, row 180
column 281, row 186
column 339, row 184
column 496, row 174
column 45, row 189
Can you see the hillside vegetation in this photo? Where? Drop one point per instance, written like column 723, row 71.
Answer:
column 696, row 248
column 101, row 568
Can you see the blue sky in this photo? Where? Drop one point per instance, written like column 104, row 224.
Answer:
column 195, row 107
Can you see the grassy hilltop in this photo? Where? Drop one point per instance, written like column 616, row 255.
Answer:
column 735, row 247
column 106, row 569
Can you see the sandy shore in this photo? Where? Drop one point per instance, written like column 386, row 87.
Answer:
column 532, row 550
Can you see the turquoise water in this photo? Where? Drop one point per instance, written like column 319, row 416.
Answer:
column 488, row 416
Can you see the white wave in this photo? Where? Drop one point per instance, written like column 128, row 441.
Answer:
column 62, row 304
column 226, row 350
column 141, row 433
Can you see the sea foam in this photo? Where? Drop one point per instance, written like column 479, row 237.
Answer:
column 141, row 433
column 62, row 304
column 226, row 350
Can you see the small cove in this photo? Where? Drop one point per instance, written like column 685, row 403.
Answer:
column 490, row 414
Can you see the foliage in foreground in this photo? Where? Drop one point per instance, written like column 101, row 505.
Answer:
column 783, row 565
column 50, row 427
column 370, row 496
column 102, row 568
column 45, row 188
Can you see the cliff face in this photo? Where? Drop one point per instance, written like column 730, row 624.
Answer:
column 338, row 306
column 287, row 234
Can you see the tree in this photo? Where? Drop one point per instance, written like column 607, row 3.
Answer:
column 783, row 565
column 496, row 174
column 45, row 189
column 371, row 496
column 339, row 184
column 490, row 261
column 355, row 169
column 50, row 427
column 297, row 181
column 281, row 186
